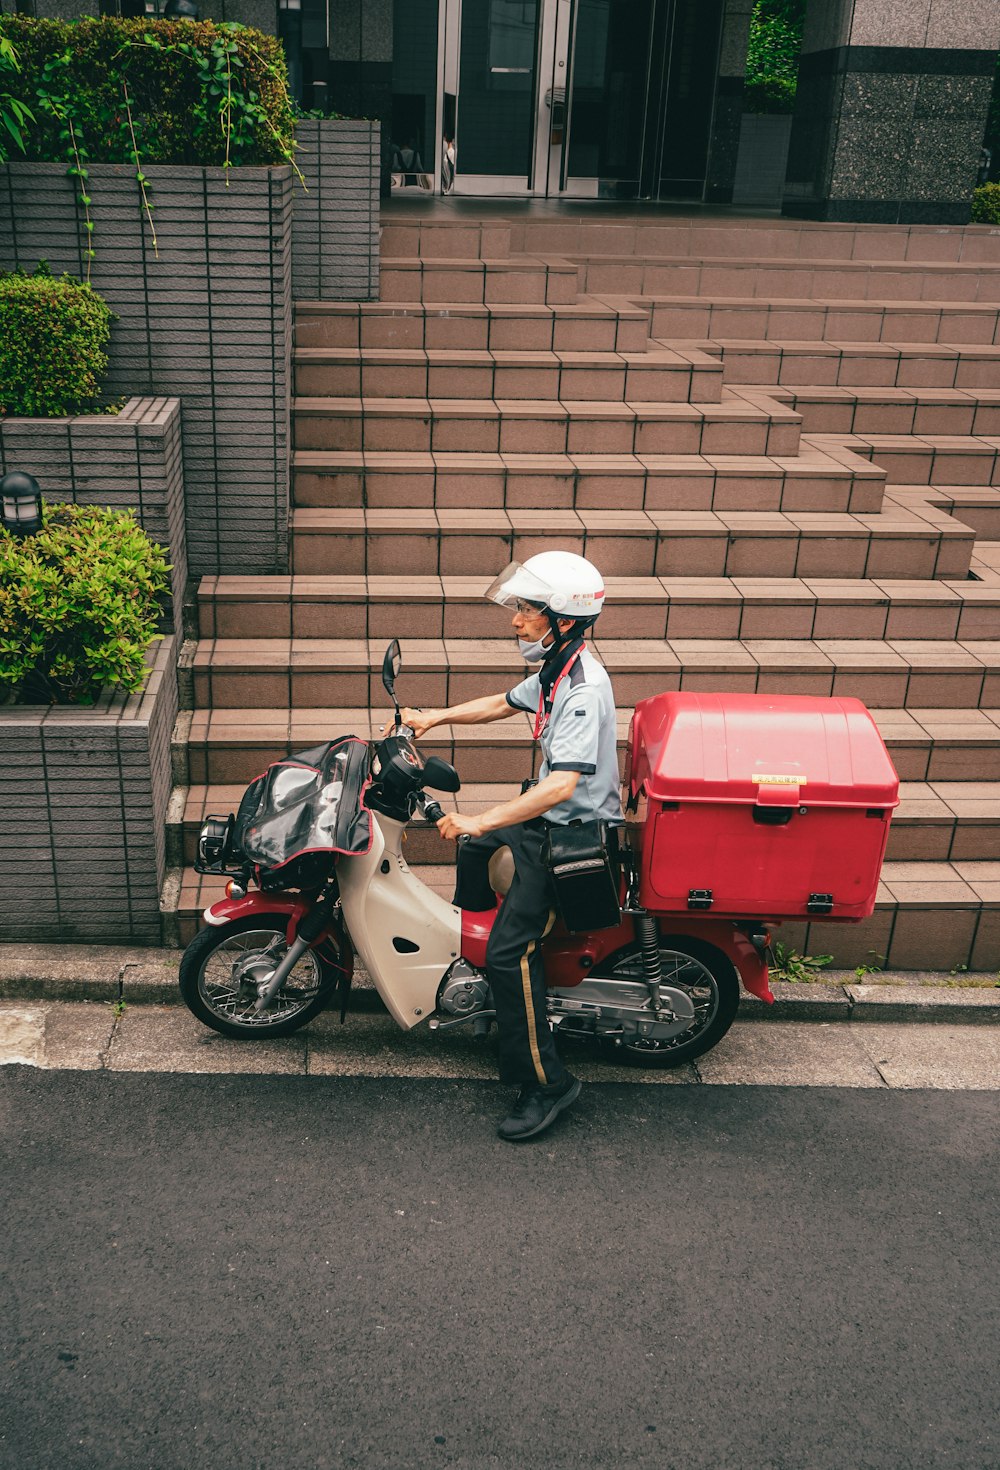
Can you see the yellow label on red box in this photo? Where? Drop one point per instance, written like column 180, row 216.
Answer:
column 778, row 780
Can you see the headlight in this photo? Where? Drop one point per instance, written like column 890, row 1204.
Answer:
column 213, row 841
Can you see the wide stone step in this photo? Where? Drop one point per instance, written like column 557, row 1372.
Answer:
column 826, row 480
column 406, row 237
column 657, row 376
column 314, row 673
column 586, row 326
column 924, row 459
column 777, row 279
column 928, row 916
column 753, row 319
column 525, row 426
column 404, row 234
column 902, row 542
column 379, row 608
column 526, row 278
column 858, row 410
column 753, row 239
column 848, row 364
column 218, row 746
column 546, row 426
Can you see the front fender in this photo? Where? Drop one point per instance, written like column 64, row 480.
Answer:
column 260, row 905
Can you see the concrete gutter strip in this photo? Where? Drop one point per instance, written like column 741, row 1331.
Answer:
column 963, row 1004
column 91, row 972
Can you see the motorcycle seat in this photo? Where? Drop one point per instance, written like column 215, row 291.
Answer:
column 501, row 871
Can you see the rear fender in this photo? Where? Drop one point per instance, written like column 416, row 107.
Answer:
column 569, row 957
column 750, row 966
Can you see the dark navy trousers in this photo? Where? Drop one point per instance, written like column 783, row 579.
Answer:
column 528, row 1055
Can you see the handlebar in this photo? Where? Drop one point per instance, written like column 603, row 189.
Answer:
column 434, row 811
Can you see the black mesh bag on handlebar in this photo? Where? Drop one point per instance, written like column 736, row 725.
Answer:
column 301, row 812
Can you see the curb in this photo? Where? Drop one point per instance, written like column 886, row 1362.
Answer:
column 49, row 972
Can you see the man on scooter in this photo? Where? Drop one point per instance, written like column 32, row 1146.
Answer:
column 555, row 596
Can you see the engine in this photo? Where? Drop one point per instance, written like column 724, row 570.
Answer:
column 464, row 990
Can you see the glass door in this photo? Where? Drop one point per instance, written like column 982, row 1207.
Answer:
column 607, row 99
column 497, row 95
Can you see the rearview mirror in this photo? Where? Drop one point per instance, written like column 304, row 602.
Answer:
column 439, row 776
column 391, row 665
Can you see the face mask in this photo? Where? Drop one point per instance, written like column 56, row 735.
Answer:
column 533, row 653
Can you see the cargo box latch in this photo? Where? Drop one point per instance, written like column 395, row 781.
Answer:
column 777, row 801
column 819, row 903
column 699, row 898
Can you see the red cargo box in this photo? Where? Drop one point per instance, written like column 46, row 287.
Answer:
column 753, row 806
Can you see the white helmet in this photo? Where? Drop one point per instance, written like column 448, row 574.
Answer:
column 560, row 582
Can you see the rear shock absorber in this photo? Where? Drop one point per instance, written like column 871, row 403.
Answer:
column 649, row 947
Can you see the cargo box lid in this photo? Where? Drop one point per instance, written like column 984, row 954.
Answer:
column 759, row 748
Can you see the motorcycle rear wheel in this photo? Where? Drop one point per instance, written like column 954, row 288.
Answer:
column 218, row 983
column 710, row 979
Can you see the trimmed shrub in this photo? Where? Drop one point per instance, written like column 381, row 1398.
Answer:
column 769, row 96
column 986, row 204
column 53, row 344
column 197, row 92
column 79, row 605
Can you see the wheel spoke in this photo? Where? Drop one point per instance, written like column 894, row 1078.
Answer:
column 681, row 972
column 232, row 973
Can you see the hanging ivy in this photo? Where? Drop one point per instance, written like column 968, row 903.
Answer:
column 141, row 92
column 198, row 93
column 15, row 114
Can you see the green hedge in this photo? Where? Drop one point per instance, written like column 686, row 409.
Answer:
column 78, row 70
column 53, row 344
column 986, row 204
column 773, row 55
column 79, row 605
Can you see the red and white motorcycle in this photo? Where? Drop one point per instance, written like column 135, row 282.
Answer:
column 318, row 875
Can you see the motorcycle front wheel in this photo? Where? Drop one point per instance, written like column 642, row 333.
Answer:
column 222, row 967
column 708, row 977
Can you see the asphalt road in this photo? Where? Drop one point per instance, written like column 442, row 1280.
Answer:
column 242, row 1272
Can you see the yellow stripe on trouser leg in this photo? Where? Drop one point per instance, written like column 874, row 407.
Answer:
column 530, row 1013
column 529, row 1005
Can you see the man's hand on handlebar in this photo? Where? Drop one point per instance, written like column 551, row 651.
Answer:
column 419, row 721
column 454, row 825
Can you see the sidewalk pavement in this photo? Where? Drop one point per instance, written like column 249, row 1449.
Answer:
column 79, row 1008
column 65, row 972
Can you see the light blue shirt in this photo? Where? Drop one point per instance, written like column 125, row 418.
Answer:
column 581, row 735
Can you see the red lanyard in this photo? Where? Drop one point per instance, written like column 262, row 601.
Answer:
column 543, row 715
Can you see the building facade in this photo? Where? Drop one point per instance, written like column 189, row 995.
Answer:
column 643, row 99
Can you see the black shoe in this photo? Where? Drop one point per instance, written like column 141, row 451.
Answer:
column 537, row 1108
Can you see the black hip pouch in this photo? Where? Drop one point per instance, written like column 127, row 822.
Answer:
column 582, row 858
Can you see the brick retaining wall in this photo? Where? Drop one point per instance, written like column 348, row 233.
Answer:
column 209, row 320
column 83, row 798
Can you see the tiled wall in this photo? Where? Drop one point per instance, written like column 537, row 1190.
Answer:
column 83, row 799
column 205, row 317
column 335, row 221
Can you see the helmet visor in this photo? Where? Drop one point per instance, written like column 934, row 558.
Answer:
column 516, row 584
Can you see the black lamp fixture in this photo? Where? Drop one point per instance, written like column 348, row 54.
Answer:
column 20, row 503
column 180, row 10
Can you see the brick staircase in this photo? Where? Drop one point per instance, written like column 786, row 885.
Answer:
column 781, row 443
